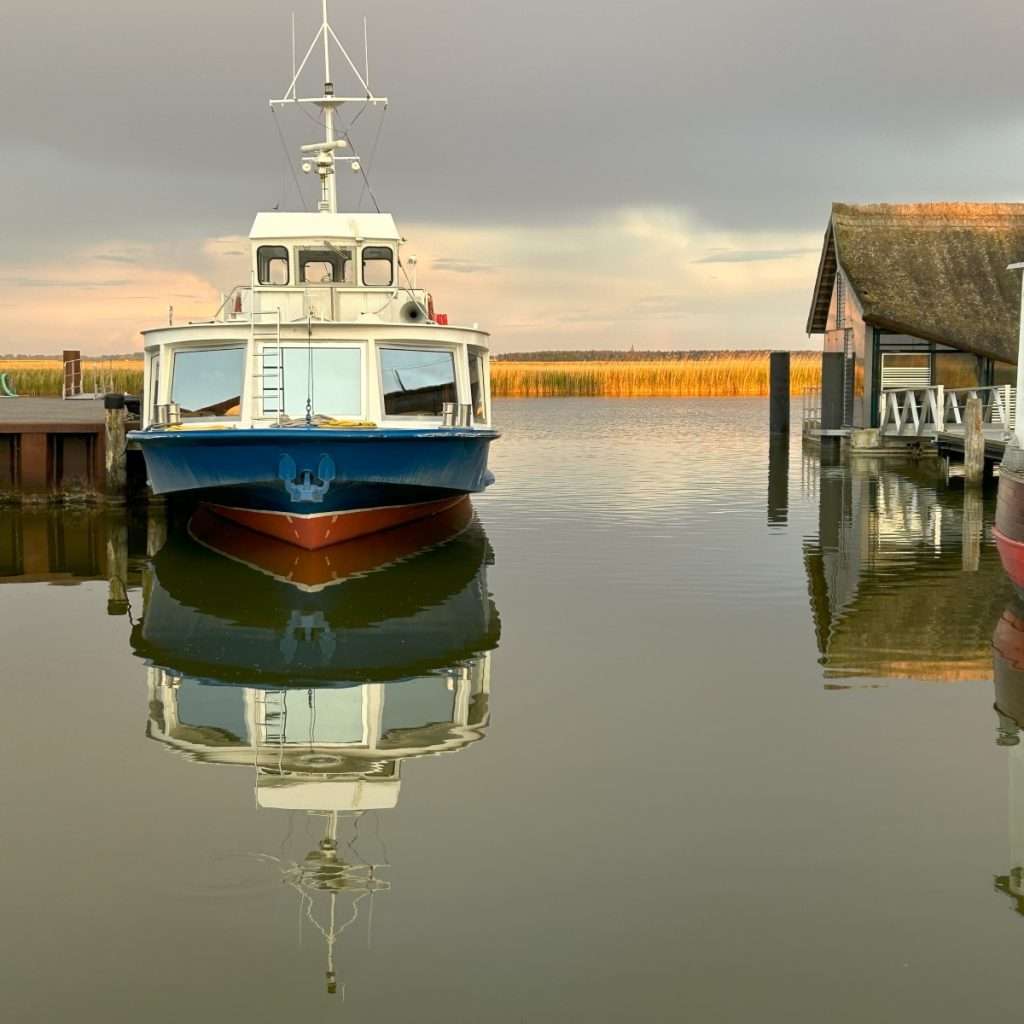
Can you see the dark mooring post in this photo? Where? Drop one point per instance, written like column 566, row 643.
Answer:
column 115, row 451
column 831, row 390
column 831, row 405
column 778, row 394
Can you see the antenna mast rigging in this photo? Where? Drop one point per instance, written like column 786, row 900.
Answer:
column 323, row 155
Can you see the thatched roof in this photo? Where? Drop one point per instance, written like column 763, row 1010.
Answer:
column 936, row 271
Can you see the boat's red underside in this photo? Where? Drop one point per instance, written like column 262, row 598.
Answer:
column 318, row 531
column 1009, row 527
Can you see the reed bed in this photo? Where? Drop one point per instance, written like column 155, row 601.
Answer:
column 707, row 376
column 41, row 377
column 713, row 376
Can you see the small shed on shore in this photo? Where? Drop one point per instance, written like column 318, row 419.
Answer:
column 915, row 294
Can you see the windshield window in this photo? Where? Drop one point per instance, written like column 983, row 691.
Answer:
column 336, row 376
column 417, row 382
column 377, row 266
column 477, row 375
column 272, row 264
column 208, row 382
column 325, row 266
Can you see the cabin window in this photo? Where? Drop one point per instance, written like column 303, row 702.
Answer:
column 378, row 266
column 154, row 385
column 325, row 266
column 337, row 382
column 328, row 716
column 272, row 264
column 414, row 704
column 208, row 382
column 477, row 379
column 214, row 715
column 1004, row 373
column 417, row 382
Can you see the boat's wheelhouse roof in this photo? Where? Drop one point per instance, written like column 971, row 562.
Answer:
column 357, row 226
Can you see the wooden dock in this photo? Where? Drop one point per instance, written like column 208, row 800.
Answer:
column 950, row 441
column 56, row 449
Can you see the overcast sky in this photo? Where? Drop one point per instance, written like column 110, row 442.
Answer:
column 570, row 174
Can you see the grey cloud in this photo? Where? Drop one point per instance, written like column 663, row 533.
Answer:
column 50, row 282
column 751, row 114
column 750, row 255
column 456, row 266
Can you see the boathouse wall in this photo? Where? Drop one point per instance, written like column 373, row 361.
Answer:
column 848, row 333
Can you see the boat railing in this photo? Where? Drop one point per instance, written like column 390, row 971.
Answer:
column 232, row 306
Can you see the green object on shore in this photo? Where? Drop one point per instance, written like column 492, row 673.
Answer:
column 6, row 388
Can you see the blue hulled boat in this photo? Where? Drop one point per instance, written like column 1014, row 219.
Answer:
column 326, row 399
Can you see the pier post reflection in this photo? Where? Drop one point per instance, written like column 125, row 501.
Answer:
column 973, row 528
column 321, row 673
column 778, row 479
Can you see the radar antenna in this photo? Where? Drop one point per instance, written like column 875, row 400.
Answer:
column 322, row 156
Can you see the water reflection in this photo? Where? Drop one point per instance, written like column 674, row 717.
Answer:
column 900, row 581
column 320, row 672
column 1008, row 670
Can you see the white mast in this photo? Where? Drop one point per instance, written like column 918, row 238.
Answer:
column 325, row 154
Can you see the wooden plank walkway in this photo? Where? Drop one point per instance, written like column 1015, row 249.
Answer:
column 55, row 414
column 950, row 440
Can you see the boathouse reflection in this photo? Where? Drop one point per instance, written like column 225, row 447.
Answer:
column 901, row 585
column 321, row 672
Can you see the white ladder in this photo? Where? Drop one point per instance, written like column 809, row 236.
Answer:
column 268, row 380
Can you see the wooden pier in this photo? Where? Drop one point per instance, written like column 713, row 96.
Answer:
column 933, row 419
column 63, row 449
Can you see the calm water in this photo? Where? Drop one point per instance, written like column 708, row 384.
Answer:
column 652, row 737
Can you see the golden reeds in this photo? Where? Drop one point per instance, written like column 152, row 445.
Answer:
column 723, row 374
column 46, row 376
column 709, row 376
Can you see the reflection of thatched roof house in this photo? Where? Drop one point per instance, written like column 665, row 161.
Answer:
column 889, row 595
column 919, row 293
column 927, row 620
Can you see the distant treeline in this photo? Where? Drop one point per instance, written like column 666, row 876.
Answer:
column 594, row 355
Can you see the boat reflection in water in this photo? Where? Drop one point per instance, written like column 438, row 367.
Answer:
column 1008, row 666
column 901, row 584
column 322, row 671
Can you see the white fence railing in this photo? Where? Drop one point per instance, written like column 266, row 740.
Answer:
column 811, row 408
column 87, row 380
column 926, row 411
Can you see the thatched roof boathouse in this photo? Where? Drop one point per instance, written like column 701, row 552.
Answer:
column 918, row 293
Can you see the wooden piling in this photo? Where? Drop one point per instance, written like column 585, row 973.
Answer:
column 116, row 452
column 974, row 443
column 778, row 394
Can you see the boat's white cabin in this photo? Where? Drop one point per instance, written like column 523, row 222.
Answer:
column 331, row 328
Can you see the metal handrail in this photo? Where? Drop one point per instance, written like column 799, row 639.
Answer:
column 74, row 377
